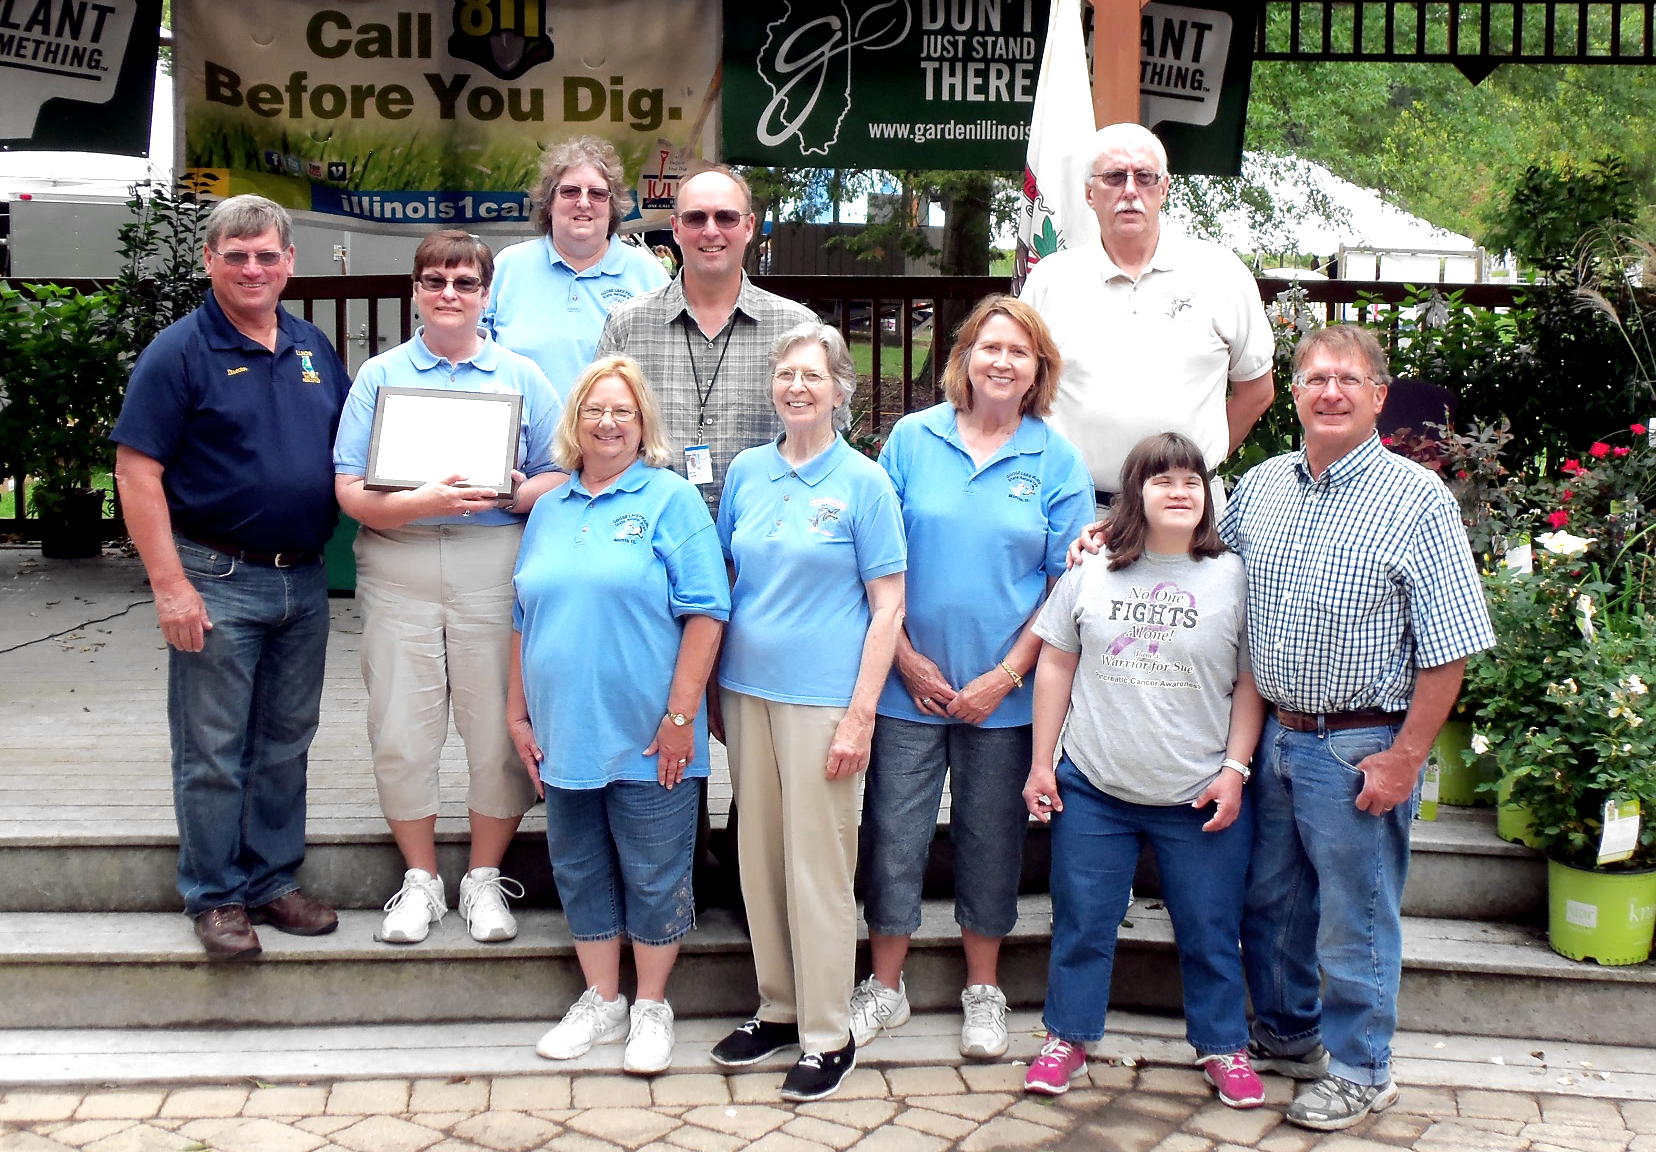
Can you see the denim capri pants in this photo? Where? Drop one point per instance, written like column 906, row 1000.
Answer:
column 986, row 769
column 621, row 857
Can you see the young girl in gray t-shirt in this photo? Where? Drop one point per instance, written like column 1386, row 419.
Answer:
column 1146, row 653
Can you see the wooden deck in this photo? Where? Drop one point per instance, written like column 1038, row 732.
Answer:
column 83, row 720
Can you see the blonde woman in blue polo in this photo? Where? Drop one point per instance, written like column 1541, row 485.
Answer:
column 621, row 598
column 991, row 498
column 815, row 542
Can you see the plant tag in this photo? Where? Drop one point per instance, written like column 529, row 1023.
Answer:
column 1621, row 830
column 1429, row 792
column 1581, row 915
column 1650, row 431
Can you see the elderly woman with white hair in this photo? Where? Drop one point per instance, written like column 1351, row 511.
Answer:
column 814, row 538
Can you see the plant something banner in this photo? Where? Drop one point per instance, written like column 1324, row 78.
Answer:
column 77, row 75
column 425, row 113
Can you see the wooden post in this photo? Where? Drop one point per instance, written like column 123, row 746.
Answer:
column 1115, row 78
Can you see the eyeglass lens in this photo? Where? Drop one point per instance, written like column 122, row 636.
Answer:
column 1117, row 177
column 239, row 259
column 724, row 218
column 576, row 191
column 465, row 285
column 619, row 415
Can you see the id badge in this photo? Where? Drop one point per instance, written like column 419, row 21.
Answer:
column 698, row 464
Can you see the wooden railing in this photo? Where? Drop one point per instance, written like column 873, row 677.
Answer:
column 892, row 315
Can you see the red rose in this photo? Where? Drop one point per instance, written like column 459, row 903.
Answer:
column 1637, row 429
column 1559, row 519
column 1599, row 450
column 1567, row 493
column 1571, row 467
column 1386, row 440
column 1622, row 451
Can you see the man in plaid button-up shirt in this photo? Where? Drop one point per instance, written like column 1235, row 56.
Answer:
column 1363, row 605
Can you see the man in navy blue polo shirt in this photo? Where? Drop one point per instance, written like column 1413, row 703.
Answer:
column 224, row 461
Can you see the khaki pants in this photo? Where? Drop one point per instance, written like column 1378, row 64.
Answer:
column 797, row 841
column 437, row 632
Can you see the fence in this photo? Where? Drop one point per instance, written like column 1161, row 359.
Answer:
column 888, row 320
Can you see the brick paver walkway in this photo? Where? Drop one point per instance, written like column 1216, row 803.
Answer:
column 922, row 1109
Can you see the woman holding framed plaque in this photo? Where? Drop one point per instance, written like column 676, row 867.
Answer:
column 434, row 579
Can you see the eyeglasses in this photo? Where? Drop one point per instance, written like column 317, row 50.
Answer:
column 576, row 191
column 1117, row 178
column 434, row 282
column 724, row 218
column 592, row 413
column 789, row 375
column 240, row 259
column 1346, row 384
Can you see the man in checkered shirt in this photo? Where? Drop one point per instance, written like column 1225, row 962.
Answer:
column 1363, row 605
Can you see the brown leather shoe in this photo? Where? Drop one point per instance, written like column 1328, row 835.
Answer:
column 226, row 934
column 297, row 914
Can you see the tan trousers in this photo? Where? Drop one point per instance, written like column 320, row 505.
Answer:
column 797, row 840
column 437, row 632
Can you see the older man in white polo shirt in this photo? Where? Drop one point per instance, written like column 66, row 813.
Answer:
column 1159, row 331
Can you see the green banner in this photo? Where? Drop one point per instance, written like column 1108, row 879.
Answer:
column 882, row 83
column 425, row 113
column 78, row 75
column 1194, row 71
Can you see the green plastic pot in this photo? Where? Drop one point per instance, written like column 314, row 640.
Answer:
column 1513, row 822
column 1459, row 773
column 1604, row 916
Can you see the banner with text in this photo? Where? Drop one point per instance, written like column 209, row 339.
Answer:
column 882, row 84
column 1195, row 69
column 78, row 75
column 432, row 113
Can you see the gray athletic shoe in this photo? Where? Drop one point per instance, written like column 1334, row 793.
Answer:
column 1334, row 1102
column 1313, row 1065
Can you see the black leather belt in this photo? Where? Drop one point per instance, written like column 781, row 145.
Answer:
column 1335, row 721
column 268, row 559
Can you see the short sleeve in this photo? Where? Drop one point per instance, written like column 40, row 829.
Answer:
column 882, row 547
column 688, row 545
column 356, row 421
column 1070, row 509
column 1057, row 624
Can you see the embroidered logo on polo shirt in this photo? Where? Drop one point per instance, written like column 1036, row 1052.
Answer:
column 1176, row 305
column 630, row 528
column 307, row 367
column 613, row 296
column 235, row 371
column 1022, row 485
column 827, row 511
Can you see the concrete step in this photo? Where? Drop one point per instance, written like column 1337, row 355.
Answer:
column 1460, row 869
column 133, row 969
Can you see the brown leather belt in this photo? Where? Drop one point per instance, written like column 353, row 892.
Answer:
column 1335, row 721
column 268, row 559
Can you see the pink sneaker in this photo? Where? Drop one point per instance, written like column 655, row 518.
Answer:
column 1234, row 1077
column 1059, row 1063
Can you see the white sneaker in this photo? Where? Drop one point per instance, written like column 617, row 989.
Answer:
column 983, row 1032
column 874, row 1006
column 418, row 904
column 650, row 1041
column 483, row 893
column 589, row 1021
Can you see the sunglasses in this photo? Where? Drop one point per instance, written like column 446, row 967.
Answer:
column 240, row 259
column 1117, row 178
column 465, row 285
column 576, row 191
column 724, row 218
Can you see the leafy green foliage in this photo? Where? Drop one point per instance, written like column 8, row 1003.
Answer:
column 1552, row 206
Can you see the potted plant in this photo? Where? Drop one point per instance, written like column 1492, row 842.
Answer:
column 63, row 367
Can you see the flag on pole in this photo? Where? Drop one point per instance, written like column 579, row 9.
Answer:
column 1054, row 212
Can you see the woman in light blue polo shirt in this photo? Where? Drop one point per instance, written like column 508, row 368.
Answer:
column 815, row 542
column 434, row 579
column 991, row 497
column 621, row 599
column 553, row 293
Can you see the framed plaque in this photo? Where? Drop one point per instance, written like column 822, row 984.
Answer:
column 426, row 434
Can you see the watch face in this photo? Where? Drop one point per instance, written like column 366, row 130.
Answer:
column 678, row 718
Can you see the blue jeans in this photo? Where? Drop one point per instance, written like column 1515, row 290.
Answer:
column 1325, row 892
column 241, row 713
column 621, row 856
column 1096, row 842
column 986, row 768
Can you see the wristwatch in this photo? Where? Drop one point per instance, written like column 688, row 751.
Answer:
column 1242, row 769
column 679, row 719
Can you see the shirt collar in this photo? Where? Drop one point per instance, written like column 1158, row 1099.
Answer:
column 485, row 359
column 814, row 470
column 221, row 333
column 747, row 300
column 1352, row 464
column 1029, row 437
column 1169, row 248
column 634, row 478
